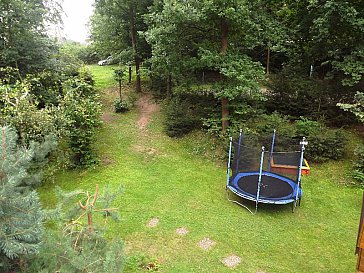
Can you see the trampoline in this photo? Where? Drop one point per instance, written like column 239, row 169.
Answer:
column 274, row 188
column 250, row 175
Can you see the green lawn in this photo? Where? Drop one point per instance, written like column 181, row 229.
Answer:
column 165, row 178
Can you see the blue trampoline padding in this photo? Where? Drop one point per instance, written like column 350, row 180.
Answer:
column 275, row 189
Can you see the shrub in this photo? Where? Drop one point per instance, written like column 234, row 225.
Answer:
column 185, row 112
column 19, row 110
column 121, row 106
column 179, row 119
column 82, row 109
column 358, row 164
column 297, row 95
column 324, row 143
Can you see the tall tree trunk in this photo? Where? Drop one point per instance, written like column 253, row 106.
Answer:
column 130, row 73
column 224, row 36
column 133, row 35
column 224, row 101
column 268, row 59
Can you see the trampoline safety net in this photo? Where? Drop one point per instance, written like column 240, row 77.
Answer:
column 247, row 159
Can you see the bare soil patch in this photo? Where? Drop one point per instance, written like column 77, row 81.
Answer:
column 231, row 261
column 145, row 150
column 206, row 243
column 182, row 231
column 153, row 222
column 146, row 109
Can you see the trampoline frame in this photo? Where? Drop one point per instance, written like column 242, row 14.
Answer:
column 231, row 182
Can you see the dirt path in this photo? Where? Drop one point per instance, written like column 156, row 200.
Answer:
column 146, row 109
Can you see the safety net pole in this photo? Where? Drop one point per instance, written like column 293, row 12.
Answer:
column 271, row 150
column 229, row 160
column 303, row 144
column 238, row 151
column 260, row 178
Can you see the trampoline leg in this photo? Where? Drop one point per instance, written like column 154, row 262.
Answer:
column 299, row 202
column 294, row 206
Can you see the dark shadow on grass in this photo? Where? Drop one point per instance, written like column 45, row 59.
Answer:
column 269, row 209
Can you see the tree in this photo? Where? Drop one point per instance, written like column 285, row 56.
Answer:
column 191, row 37
column 78, row 244
column 81, row 108
column 24, row 43
column 114, row 30
column 21, row 214
column 329, row 35
column 357, row 108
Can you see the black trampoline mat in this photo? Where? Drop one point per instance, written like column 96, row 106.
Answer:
column 271, row 187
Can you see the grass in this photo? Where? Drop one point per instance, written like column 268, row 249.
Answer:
column 165, row 178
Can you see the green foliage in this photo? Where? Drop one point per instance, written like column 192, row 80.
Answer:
column 77, row 53
column 72, row 117
column 179, row 118
column 324, row 143
column 327, row 34
column 21, row 111
column 76, row 244
column 119, row 74
column 296, row 95
column 183, row 113
column 46, row 87
column 357, row 108
column 114, row 27
column 121, row 106
column 23, row 38
column 241, row 76
column 358, row 165
column 82, row 110
column 93, row 254
column 21, row 217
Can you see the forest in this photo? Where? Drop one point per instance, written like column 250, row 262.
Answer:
column 113, row 153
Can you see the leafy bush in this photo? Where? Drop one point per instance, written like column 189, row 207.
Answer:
column 296, row 96
column 306, row 127
column 21, row 112
column 121, row 106
column 82, row 109
column 185, row 112
column 179, row 119
column 324, row 143
column 358, row 164
column 46, row 87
